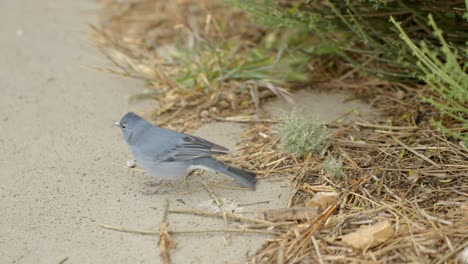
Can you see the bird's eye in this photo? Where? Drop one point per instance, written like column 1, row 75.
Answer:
column 123, row 126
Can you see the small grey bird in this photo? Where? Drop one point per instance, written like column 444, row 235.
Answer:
column 170, row 155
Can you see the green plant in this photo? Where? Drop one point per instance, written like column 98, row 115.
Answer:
column 300, row 135
column 211, row 63
column 334, row 167
column 445, row 73
column 216, row 58
column 360, row 32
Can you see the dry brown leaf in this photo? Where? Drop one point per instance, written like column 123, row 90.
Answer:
column 291, row 214
column 323, row 199
column 369, row 236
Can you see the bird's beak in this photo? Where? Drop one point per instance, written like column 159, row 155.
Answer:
column 117, row 124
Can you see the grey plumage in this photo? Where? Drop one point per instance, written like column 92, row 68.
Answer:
column 168, row 154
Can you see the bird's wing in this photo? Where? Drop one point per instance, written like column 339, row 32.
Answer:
column 191, row 147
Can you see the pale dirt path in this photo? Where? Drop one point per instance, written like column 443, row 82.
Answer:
column 57, row 181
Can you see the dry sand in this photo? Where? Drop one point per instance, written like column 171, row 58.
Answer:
column 57, row 180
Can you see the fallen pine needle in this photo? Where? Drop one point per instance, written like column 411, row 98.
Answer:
column 386, row 127
column 123, row 166
column 63, row 260
column 175, row 232
column 229, row 215
column 415, row 152
column 221, row 209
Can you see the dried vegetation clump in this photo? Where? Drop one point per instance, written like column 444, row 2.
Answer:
column 199, row 59
column 394, row 175
column 393, row 191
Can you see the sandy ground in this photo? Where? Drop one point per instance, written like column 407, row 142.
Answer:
column 57, row 180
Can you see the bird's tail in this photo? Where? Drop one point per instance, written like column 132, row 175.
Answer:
column 247, row 178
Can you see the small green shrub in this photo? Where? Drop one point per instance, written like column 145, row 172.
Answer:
column 444, row 71
column 360, row 32
column 301, row 135
column 212, row 63
column 334, row 167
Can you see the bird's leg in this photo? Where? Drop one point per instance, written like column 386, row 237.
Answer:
column 197, row 172
column 186, row 179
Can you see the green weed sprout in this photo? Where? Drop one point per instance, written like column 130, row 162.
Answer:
column 300, row 135
column 334, row 167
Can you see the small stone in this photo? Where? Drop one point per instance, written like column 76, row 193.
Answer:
column 131, row 163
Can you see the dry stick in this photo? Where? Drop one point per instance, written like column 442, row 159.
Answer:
column 172, row 116
column 454, row 147
column 229, row 215
column 319, row 222
column 282, row 250
column 453, row 252
column 301, row 175
column 276, row 163
column 165, row 241
column 220, row 207
column 351, row 72
column 316, row 225
column 389, row 247
column 356, row 144
column 63, row 260
column 123, row 166
column 254, row 203
column 317, row 249
column 415, row 152
column 347, row 157
column 386, row 127
column 219, row 185
column 244, row 119
column 278, row 224
column 175, row 232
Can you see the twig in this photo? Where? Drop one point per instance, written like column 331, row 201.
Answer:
column 244, row 119
column 215, row 198
column 123, row 166
column 415, row 152
column 452, row 252
column 386, row 127
column 255, row 203
column 317, row 249
column 175, row 232
column 356, row 69
column 278, row 224
column 219, row 185
column 126, row 230
column 229, row 215
column 354, row 144
column 165, row 240
column 281, row 251
column 172, row 116
column 63, row 260
column 221, row 209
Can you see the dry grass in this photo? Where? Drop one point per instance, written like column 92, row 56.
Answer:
column 199, row 59
column 426, row 202
column 402, row 171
